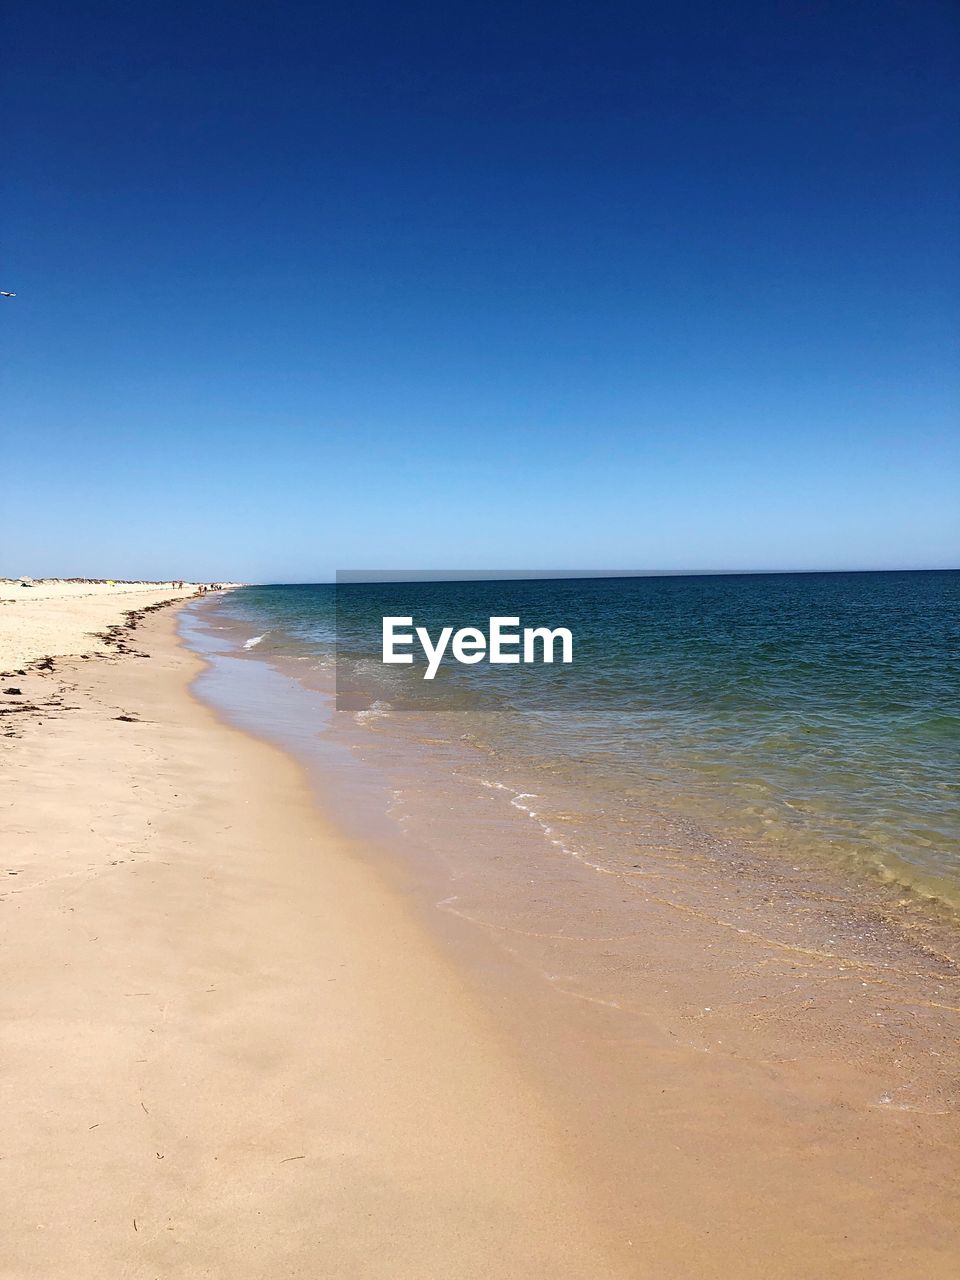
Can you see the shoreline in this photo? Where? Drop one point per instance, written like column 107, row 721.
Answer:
column 805, row 762
column 922, row 921
column 827, row 1026
column 181, row 973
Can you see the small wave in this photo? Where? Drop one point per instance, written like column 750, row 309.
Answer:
column 254, row 641
column 376, row 711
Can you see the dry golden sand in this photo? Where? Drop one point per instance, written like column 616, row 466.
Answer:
column 232, row 1050
column 57, row 617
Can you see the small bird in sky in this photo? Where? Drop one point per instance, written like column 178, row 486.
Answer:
column 4, row 294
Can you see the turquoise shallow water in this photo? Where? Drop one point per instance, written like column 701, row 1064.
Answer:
column 811, row 712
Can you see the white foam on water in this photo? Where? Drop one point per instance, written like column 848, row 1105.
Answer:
column 376, row 711
column 518, row 802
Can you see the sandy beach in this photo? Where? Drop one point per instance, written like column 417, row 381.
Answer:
column 232, row 1048
column 229, row 1052
column 54, row 617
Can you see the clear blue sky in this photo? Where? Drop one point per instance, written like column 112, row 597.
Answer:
column 640, row 285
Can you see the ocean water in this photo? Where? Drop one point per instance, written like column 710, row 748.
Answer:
column 812, row 716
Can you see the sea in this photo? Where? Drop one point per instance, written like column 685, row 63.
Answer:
column 804, row 719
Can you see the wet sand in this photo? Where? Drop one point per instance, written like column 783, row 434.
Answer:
column 244, row 1043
